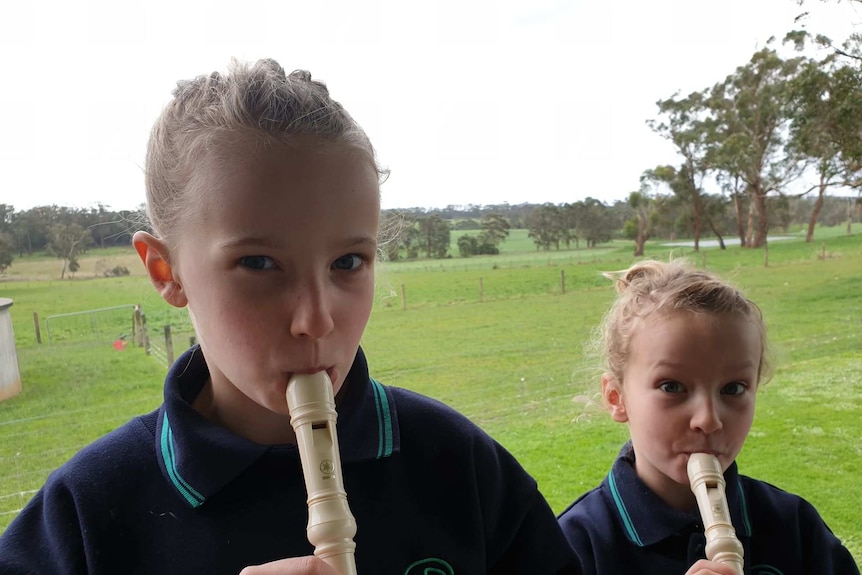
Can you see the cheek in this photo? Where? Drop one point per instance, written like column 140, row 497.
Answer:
column 746, row 420
column 355, row 307
column 219, row 321
column 355, row 321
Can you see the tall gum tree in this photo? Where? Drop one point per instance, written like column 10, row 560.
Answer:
column 750, row 130
column 685, row 122
column 826, row 125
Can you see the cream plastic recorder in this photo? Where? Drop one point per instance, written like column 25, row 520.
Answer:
column 707, row 483
column 331, row 526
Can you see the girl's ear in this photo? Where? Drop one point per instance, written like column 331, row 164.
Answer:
column 154, row 254
column 612, row 393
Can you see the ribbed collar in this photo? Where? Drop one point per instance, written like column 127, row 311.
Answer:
column 646, row 519
column 199, row 457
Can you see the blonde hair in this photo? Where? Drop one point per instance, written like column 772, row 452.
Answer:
column 258, row 100
column 652, row 287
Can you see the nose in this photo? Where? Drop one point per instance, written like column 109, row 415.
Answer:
column 311, row 313
column 706, row 417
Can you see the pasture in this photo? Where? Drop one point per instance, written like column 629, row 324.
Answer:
column 506, row 340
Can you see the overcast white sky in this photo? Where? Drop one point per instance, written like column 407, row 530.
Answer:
column 466, row 101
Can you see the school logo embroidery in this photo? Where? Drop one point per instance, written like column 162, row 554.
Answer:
column 430, row 567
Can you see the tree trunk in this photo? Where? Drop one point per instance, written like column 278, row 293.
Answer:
column 711, row 225
column 815, row 212
column 697, row 211
column 740, row 228
column 749, row 230
column 762, row 221
column 642, row 237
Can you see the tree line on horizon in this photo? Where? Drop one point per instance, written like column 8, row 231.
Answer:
column 419, row 232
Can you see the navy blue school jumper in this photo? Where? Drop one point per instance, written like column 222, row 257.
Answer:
column 623, row 528
column 171, row 492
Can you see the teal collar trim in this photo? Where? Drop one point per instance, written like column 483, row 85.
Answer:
column 198, row 457
column 384, row 420
column 646, row 519
column 168, row 453
column 631, row 532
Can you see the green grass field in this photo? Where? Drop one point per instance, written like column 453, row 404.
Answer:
column 513, row 354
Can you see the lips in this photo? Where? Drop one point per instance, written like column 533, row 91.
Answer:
column 330, row 372
column 310, row 370
column 709, row 451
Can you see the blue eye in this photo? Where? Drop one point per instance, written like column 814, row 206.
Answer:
column 348, row 262
column 257, row 262
column 734, row 388
column 671, row 387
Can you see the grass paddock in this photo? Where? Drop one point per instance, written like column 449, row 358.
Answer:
column 506, row 340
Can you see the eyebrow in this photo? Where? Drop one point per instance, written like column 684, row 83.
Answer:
column 681, row 365
column 267, row 242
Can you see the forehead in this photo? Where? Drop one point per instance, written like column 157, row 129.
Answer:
column 242, row 167
column 239, row 151
column 274, row 189
column 697, row 337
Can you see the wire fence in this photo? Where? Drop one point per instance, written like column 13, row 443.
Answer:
column 120, row 326
column 102, row 325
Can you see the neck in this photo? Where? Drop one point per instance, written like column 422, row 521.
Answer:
column 264, row 428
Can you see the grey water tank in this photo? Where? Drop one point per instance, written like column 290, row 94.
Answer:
column 10, row 376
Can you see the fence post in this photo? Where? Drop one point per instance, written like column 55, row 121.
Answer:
column 481, row 290
column 563, row 281
column 766, row 255
column 169, row 346
column 192, row 341
column 145, row 335
column 36, row 324
column 138, row 326
column 403, row 298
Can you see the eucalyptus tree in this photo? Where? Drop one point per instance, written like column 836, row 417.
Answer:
column 571, row 215
column 68, row 241
column 826, row 125
column 851, row 48
column 715, row 212
column 30, row 229
column 735, row 189
column 597, row 223
column 467, row 245
column 750, row 131
column 435, row 233
column 7, row 244
column 687, row 193
column 649, row 211
column 639, row 227
column 7, row 251
column 544, row 225
column 106, row 226
column 495, row 229
column 686, row 123
column 400, row 234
